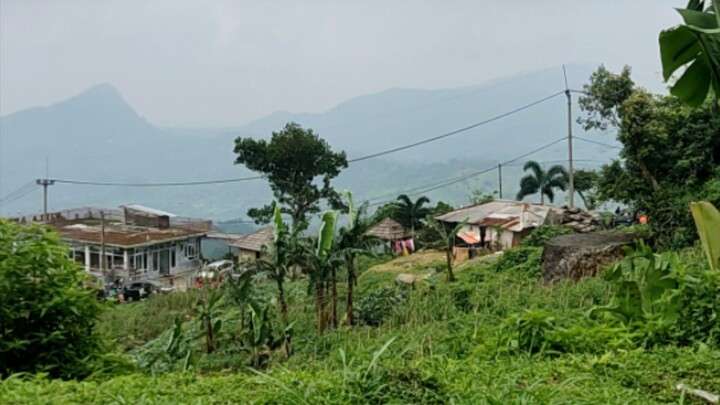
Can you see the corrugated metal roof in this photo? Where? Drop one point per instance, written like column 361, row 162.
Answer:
column 512, row 215
column 147, row 210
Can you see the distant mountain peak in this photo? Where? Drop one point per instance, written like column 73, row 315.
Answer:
column 103, row 93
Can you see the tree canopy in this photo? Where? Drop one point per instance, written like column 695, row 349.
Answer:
column 541, row 181
column 46, row 313
column 292, row 161
column 670, row 154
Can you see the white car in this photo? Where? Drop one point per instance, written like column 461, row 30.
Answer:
column 214, row 270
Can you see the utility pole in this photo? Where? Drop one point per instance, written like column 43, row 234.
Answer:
column 45, row 183
column 103, row 259
column 500, row 180
column 571, row 171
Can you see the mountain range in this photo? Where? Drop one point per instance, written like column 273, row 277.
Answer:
column 97, row 136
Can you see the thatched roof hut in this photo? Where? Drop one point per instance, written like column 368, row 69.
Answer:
column 388, row 229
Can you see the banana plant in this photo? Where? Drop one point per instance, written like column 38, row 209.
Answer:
column 352, row 243
column 259, row 337
column 208, row 315
column 696, row 44
column 707, row 222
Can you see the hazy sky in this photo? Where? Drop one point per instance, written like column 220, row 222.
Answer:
column 219, row 63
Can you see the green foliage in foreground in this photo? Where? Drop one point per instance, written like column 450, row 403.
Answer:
column 494, row 336
column 542, row 234
column 624, row 377
column 46, row 313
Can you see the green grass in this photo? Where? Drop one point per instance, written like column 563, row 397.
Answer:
column 448, row 343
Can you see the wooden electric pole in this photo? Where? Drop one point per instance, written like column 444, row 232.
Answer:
column 571, row 171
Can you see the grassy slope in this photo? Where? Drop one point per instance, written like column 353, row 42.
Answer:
column 441, row 346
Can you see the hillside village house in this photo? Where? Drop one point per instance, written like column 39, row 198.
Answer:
column 501, row 223
column 250, row 246
column 138, row 242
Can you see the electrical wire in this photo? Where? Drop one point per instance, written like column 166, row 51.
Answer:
column 20, row 190
column 457, row 131
column 607, row 145
column 19, row 196
column 445, row 183
column 169, row 184
column 358, row 159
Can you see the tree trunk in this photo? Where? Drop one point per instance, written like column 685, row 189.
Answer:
column 450, row 275
column 351, row 285
column 542, row 198
column 242, row 323
column 333, row 304
column 582, row 197
column 320, row 306
column 287, row 342
column 208, row 334
column 646, row 173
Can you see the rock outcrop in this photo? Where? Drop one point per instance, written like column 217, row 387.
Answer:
column 582, row 255
column 580, row 221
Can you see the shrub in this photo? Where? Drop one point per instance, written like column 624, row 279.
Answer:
column 46, row 314
column 378, row 305
column 525, row 260
column 542, row 234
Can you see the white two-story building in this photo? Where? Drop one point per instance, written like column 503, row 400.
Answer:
column 135, row 242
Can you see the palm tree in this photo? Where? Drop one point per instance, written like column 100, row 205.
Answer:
column 411, row 214
column 447, row 239
column 541, row 181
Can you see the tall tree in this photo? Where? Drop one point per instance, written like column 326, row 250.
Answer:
column 585, row 186
column 541, row 181
column 696, row 45
column 411, row 214
column 670, row 156
column 292, row 161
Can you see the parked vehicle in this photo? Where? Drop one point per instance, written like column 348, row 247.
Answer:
column 213, row 273
column 140, row 290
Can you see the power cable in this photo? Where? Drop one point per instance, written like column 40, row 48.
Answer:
column 362, row 158
column 457, row 131
column 169, row 184
column 19, row 196
column 445, row 183
column 607, row 145
column 20, row 190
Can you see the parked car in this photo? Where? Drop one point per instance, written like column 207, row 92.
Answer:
column 214, row 272
column 139, row 290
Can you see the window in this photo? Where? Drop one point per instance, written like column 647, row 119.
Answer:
column 190, row 251
column 172, row 256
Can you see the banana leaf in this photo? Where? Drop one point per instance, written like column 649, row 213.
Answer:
column 707, row 222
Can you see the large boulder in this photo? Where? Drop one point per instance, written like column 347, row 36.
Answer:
column 582, row 255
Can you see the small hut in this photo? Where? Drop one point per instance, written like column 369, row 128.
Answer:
column 389, row 230
column 250, row 246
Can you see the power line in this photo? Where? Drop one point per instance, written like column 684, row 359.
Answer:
column 457, row 131
column 607, row 145
column 17, row 197
column 20, row 190
column 445, row 183
column 362, row 158
column 169, row 184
